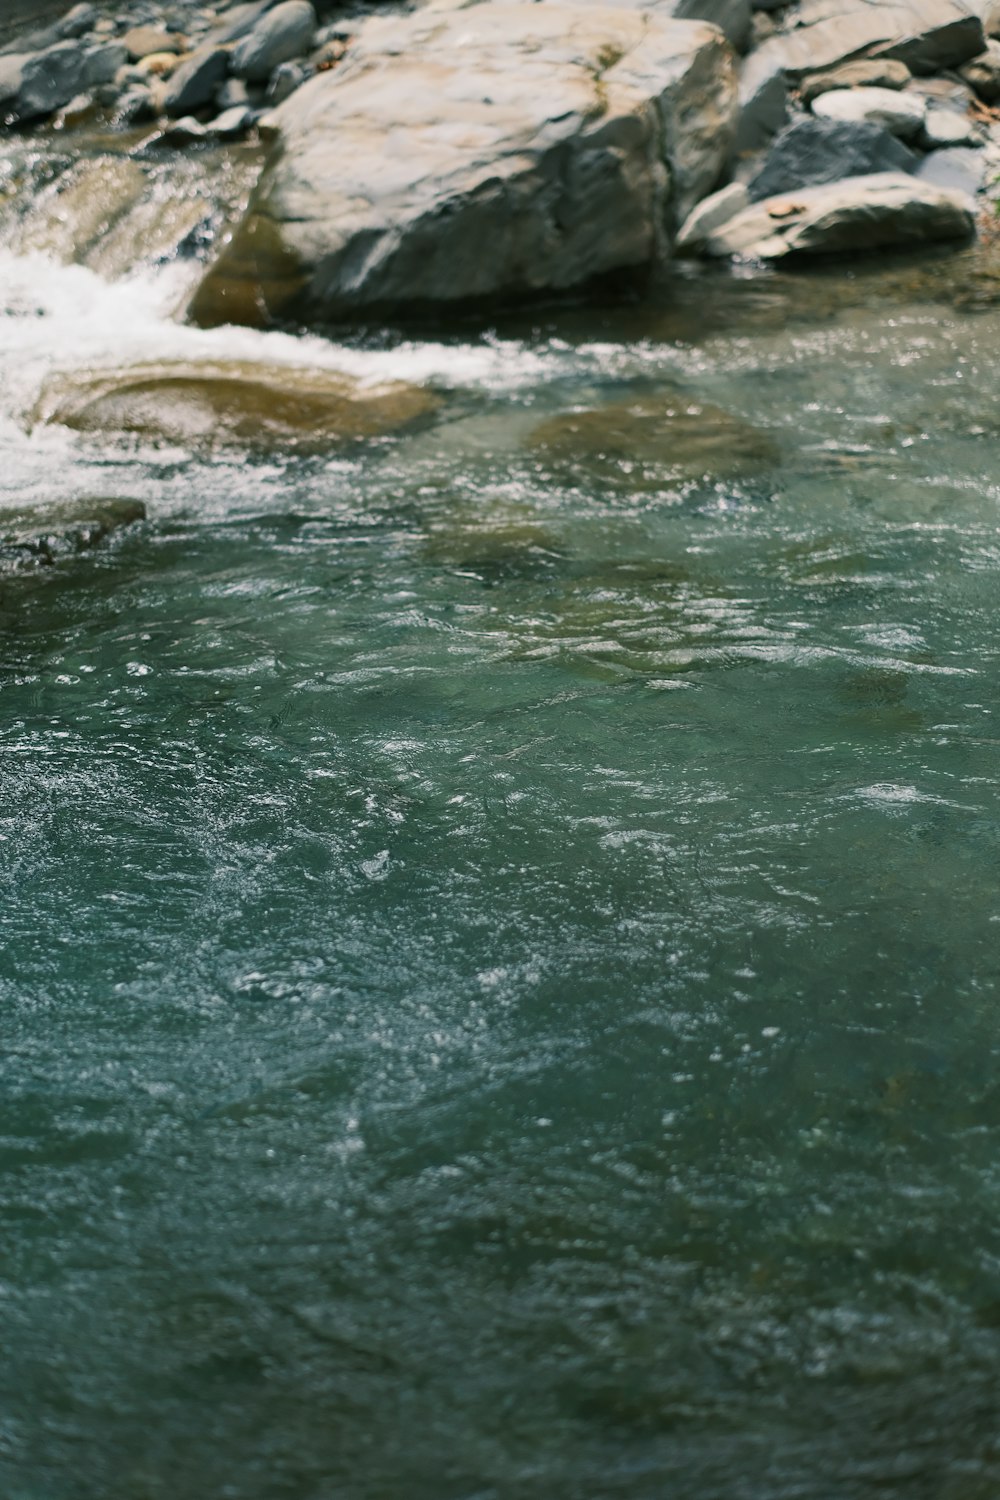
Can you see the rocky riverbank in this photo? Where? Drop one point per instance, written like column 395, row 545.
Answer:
column 445, row 155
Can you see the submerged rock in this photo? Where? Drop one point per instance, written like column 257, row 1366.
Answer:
column 262, row 407
column 860, row 213
column 41, row 533
column 499, row 151
column 654, row 439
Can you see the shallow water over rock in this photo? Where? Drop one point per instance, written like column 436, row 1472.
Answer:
column 501, row 965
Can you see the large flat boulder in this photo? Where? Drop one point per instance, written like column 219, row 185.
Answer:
column 861, row 213
column 927, row 35
column 499, row 151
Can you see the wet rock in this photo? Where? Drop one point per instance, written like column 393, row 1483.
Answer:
column 871, row 72
column 467, row 155
column 85, row 202
column 141, row 41
column 282, row 34
column 654, row 439
column 195, row 82
column 262, row 407
column 812, row 152
column 861, row 213
column 983, row 73
column 40, row 534
column 712, row 212
column 901, row 114
column 927, row 35
column 133, row 107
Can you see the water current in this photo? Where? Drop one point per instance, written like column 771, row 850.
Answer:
column 499, row 980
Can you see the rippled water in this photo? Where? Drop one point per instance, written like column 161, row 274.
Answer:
column 500, row 983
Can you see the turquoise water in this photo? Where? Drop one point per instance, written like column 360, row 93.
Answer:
column 499, row 987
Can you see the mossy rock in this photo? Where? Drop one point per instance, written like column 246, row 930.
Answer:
column 204, row 405
column 652, row 440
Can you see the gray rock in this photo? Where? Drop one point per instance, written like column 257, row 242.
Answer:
column 873, row 72
column 12, row 65
column 763, row 97
column 102, row 62
column 195, row 82
column 473, row 154
column 902, row 114
column 134, row 106
column 863, row 213
column 143, row 40
column 48, row 79
column 282, row 34
column 927, row 35
column 52, row 78
column 184, row 131
column 733, row 17
column 239, row 21
column 962, row 169
column 232, row 123
column 811, row 152
column 983, row 73
column 712, row 212
column 77, row 22
column 285, row 79
column 949, row 92
column 232, row 93
column 944, row 128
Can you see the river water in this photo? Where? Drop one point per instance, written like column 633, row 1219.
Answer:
column 499, row 986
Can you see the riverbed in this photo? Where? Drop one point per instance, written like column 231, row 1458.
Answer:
column 501, row 926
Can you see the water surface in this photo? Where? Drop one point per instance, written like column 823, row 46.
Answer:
column 500, row 967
